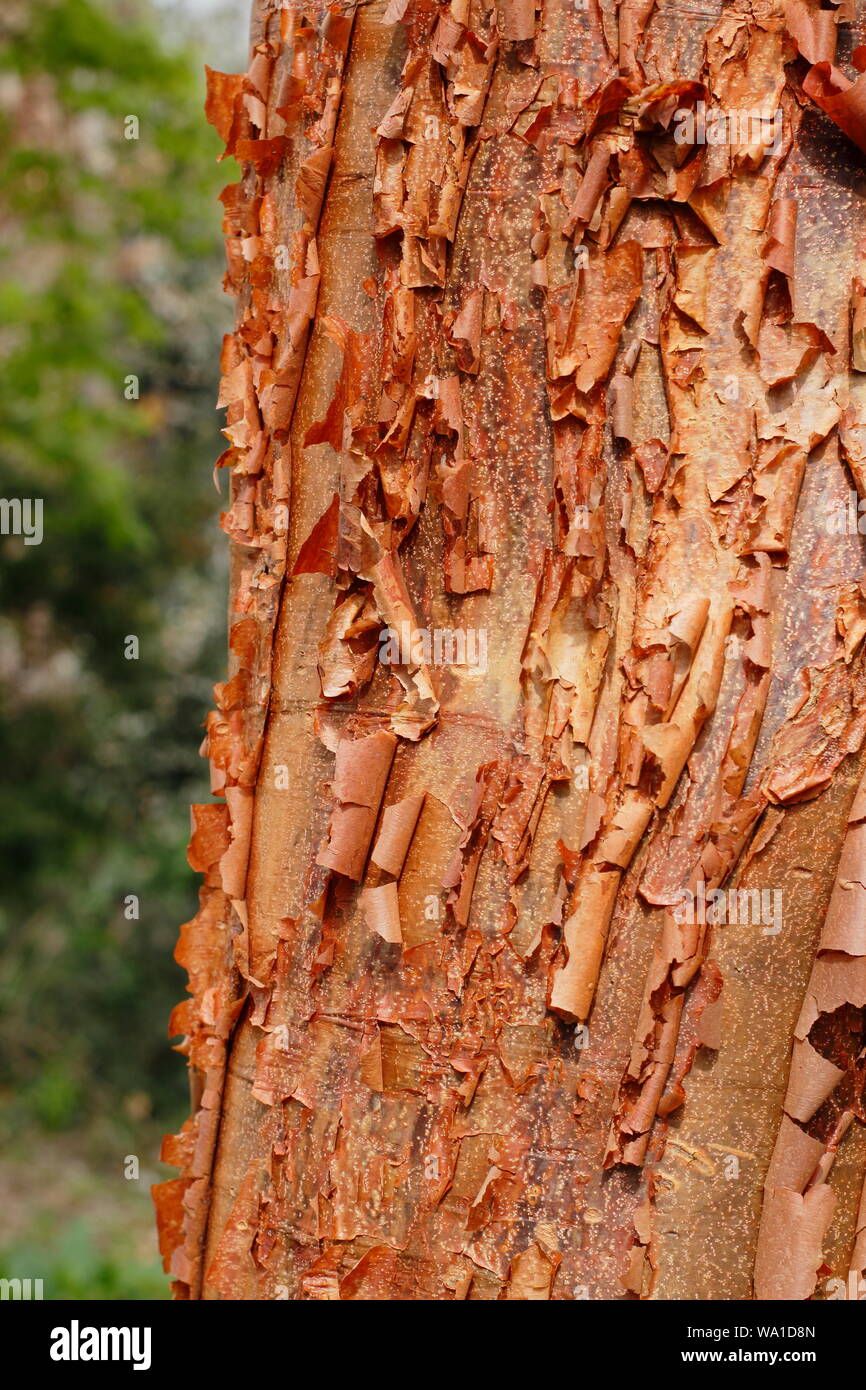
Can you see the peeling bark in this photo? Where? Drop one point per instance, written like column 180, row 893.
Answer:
column 539, row 752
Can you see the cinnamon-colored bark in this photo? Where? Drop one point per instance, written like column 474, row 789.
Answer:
column 531, row 958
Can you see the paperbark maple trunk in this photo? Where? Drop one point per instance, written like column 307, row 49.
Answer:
column 546, row 438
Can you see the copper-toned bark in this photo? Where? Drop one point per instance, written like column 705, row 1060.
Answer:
column 547, row 424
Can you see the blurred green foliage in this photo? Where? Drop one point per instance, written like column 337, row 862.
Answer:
column 80, row 1259
column 111, row 267
column 77, row 1269
column 75, row 1217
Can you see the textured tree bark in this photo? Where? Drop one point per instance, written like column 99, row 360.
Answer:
column 538, row 754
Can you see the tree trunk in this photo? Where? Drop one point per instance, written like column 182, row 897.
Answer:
column 546, row 702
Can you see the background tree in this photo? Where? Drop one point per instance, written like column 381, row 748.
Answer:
column 110, row 269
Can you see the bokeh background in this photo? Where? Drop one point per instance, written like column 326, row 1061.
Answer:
column 110, row 265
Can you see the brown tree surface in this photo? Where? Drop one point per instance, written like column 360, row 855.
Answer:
column 547, row 431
